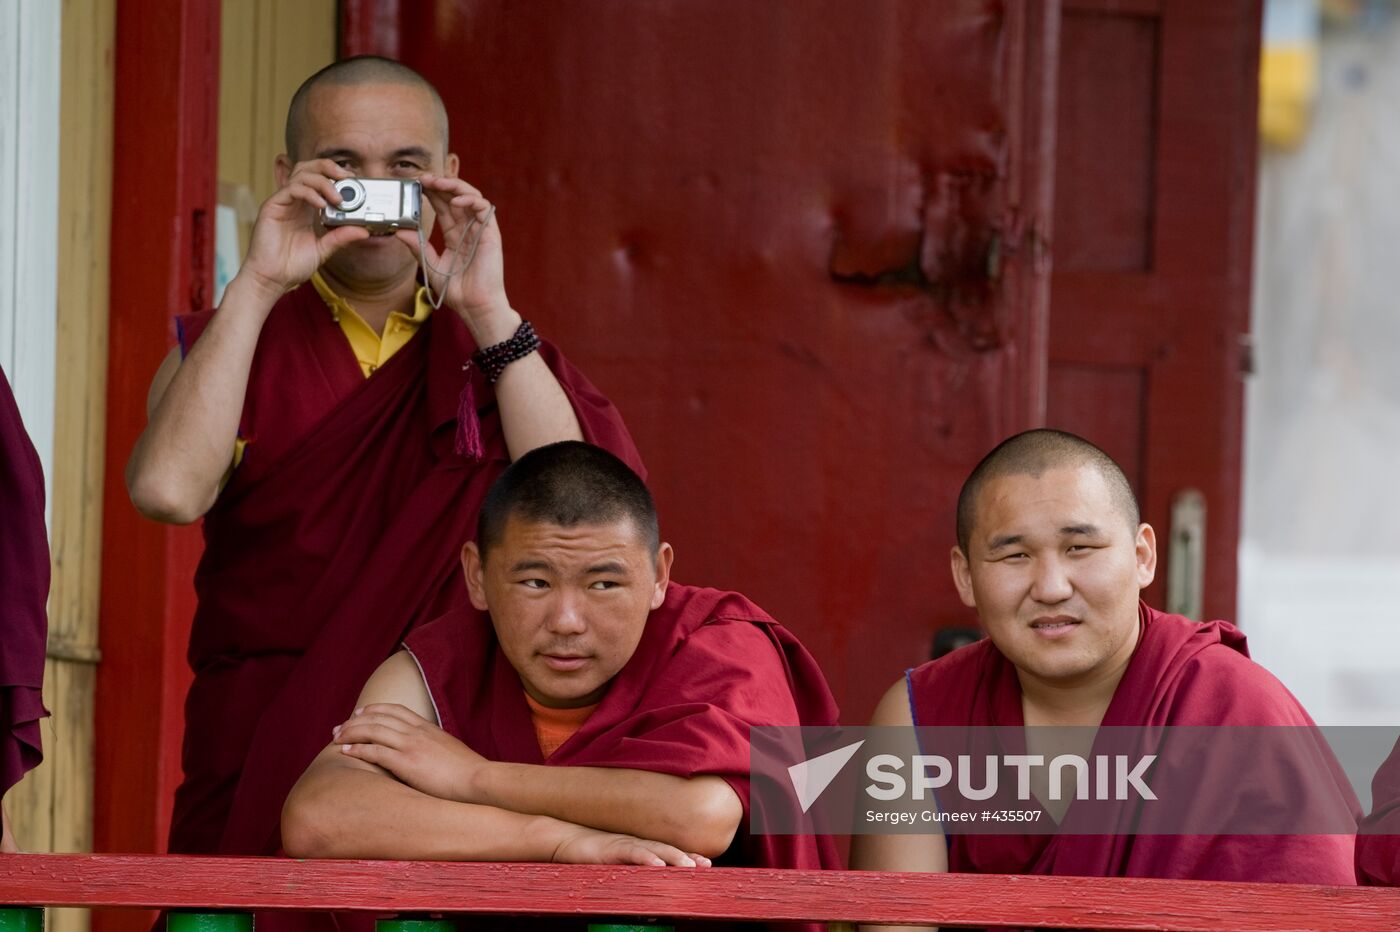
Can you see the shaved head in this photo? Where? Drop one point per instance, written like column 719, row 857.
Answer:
column 1034, row 453
column 567, row 484
column 363, row 69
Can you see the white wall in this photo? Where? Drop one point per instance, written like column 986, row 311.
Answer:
column 29, row 87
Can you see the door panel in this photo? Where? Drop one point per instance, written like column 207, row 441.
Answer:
column 1153, row 229
column 800, row 244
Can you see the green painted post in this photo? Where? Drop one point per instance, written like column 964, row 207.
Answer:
column 208, row 922
column 400, row 924
column 21, row 919
column 628, row 927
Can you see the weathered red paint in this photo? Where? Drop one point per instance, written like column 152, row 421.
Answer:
column 369, row 27
column 801, row 245
column 717, row 893
column 164, row 189
column 1154, row 222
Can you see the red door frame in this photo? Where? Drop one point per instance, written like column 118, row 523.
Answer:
column 164, row 191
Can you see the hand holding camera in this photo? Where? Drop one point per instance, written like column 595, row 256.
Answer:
column 286, row 249
column 469, row 272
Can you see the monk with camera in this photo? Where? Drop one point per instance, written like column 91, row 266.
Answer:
column 337, row 435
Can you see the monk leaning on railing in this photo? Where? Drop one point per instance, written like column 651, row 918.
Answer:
column 601, row 716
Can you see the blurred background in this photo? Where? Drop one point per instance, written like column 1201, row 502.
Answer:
column 1320, row 552
column 822, row 255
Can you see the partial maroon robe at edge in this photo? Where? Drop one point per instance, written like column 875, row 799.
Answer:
column 1182, row 673
column 709, row 665
column 339, row 532
column 24, row 590
column 1378, row 843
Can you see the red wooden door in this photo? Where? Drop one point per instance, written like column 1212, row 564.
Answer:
column 1154, row 209
column 799, row 244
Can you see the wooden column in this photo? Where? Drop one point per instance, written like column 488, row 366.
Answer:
column 164, row 145
column 52, row 807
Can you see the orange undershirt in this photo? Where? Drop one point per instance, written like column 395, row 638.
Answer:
column 555, row 726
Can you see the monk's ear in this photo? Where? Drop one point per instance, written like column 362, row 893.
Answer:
column 1146, row 552
column 962, row 577
column 451, row 165
column 664, row 557
column 282, row 169
column 476, row 575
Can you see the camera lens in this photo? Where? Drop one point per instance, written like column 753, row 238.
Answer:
column 352, row 194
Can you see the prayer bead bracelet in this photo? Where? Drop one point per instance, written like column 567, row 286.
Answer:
column 493, row 359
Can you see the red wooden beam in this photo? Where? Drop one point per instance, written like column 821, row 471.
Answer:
column 718, row 893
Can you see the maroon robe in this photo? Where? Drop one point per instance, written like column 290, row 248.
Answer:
column 338, row 533
column 24, row 590
column 1182, row 673
column 1378, row 843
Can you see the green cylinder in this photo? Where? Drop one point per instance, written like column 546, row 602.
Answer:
column 400, row 924
column 209, row 922
column 21, row 919
column 625, row 927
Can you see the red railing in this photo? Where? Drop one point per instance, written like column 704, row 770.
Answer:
column 156, row 881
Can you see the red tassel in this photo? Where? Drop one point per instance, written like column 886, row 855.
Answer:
column 468, row 424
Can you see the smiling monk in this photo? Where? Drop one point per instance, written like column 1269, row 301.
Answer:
column 601, row 717
column 1052, row 554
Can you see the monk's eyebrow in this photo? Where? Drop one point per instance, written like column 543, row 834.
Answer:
column 525, row 566
column 410, row 152
column 1080, row 530
column 611, row 567
column 334, row 154
column 1006, row 540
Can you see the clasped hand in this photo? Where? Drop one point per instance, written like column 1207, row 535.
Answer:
column 413, row 749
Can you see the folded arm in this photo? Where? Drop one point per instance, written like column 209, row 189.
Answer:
column 699, row 814
column 348, row 807
column 343, row 808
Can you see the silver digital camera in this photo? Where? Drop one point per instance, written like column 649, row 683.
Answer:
column 382, row 205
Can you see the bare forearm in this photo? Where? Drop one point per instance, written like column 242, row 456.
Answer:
column 699, row 814
column 534, row 409
column 340, row 812
column 186, row 449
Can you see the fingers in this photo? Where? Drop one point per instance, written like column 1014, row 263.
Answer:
column 657, row 854
column 667, row 855
column 393, row 710
column 313, row 183
column 322, row 175
column 341, row 236
column 370, row 733
column 410, row 239
column 453, row 200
